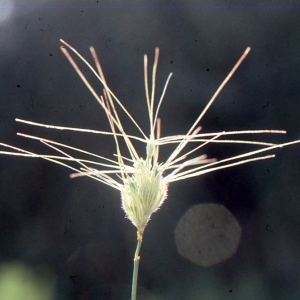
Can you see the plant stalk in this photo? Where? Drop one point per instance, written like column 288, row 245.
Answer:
column 136, row 261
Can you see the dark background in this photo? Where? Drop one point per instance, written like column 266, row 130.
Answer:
column 76, row 228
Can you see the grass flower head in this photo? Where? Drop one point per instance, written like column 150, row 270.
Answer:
column 143, row 180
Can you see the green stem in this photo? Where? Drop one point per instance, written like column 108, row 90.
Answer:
column 136, row 261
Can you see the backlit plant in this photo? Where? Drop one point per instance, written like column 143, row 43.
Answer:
column 143, row 179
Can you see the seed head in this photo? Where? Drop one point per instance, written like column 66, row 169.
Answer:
column 143, row 182
column 143, row 192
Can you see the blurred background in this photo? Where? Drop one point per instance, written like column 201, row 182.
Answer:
column 70, row 237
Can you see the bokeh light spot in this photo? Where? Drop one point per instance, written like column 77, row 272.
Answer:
column 21, row 282
column 207, row 234
column 6, row 8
